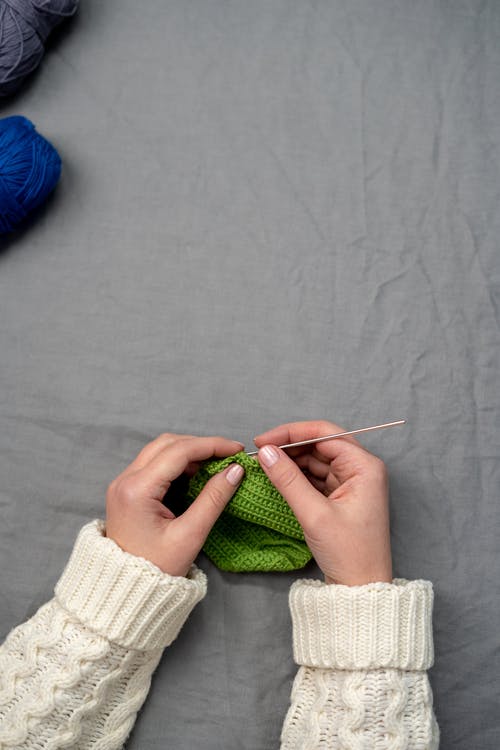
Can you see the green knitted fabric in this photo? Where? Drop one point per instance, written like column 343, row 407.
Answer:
column 257, row 531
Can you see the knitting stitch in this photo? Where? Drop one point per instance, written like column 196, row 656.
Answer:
column 363, row 652
column 258, row 530
column 76, row 673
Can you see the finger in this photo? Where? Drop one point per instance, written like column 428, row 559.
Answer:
column 152, row 449
column 319, row 484
column 347, row 459
column 192, row 468
column 293, row 432
column 318, row 472
column 331, row 483
column 215, row 495
column 288, row 479
column 157, row 475
column 346, row 456
column 314, row 466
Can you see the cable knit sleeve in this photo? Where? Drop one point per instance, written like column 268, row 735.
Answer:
column 76, row 673
column 363, row 653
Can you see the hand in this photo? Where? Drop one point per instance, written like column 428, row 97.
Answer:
column 138, row 521
column 339, row 494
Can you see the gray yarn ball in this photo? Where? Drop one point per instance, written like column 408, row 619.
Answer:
column 24, row 28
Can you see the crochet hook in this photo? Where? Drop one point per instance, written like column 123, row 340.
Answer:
column 337, row 435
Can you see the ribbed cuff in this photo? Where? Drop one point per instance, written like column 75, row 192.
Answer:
column 363, row 627
column 125, row 598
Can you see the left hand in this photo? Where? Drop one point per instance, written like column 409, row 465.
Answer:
column 139, row 522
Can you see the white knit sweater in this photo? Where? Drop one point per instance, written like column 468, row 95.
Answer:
column 76, row 673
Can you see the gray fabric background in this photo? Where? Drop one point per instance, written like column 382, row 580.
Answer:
column 269, row 211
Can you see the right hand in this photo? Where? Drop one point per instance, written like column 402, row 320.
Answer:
column 339, row 494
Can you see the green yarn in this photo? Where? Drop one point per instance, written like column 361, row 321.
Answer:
column 257, row 531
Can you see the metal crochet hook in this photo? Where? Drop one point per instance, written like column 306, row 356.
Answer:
column 339, row 434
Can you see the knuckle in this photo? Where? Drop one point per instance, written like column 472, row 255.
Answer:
column 166, row 436
column 217, row 496
column 217, row 439
column 126, row 492
column 323, row 424
column 324, row 427
column 112, row 486
column 111, row 492
column 170, row 438
column 287, row 477
column 379, row 468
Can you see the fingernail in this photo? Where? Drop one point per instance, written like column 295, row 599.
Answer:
column 234, row 474
column 269, row 455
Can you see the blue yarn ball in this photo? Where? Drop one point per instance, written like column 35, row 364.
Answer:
column 30, row 168
column 24, row 28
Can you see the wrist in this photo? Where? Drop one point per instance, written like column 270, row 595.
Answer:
column 376, row 626
column 362, row 579
column 123, row 597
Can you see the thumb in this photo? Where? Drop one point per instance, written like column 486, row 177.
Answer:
column 215, row 495
column 290, row 482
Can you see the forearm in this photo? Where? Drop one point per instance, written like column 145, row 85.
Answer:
column 79, row 670
column 363, row 654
